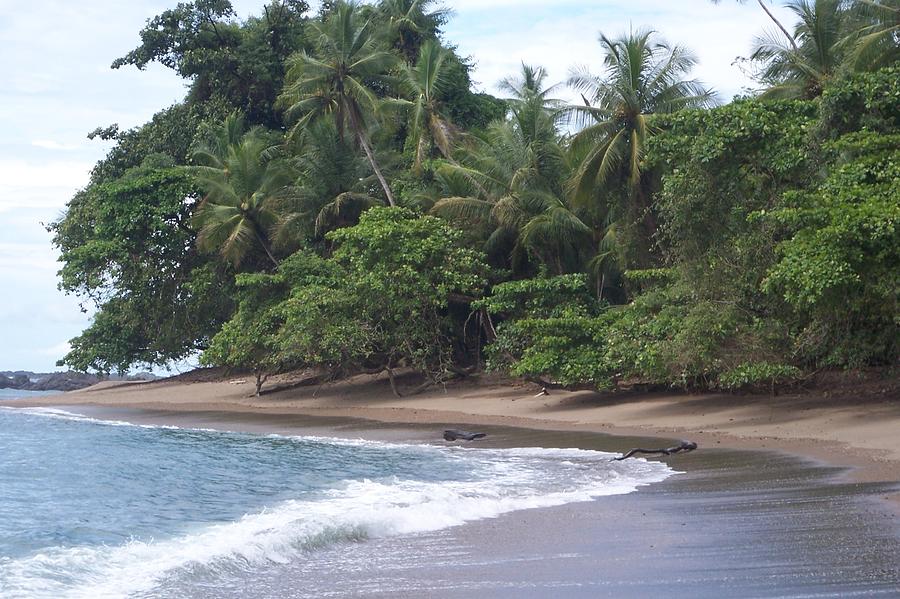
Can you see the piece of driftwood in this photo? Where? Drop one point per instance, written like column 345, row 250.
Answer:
column 684, row 446
column 455, row 435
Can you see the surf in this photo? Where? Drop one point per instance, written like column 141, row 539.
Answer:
column 391, row 489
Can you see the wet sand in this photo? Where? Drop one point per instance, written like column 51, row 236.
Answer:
column 842, row 428
column 734, row 523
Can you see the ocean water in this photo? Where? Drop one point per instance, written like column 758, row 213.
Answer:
column 19, row 394
column 99, row 509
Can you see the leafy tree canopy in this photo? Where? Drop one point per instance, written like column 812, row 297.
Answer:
column 381, row 302
column 241, row 64
column 661, row 241
column 127, row 247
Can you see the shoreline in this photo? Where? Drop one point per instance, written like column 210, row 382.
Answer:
column 749, row 522
column 863, row 435
column 773, row 521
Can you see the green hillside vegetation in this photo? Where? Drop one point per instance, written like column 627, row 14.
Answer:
column 333, row 195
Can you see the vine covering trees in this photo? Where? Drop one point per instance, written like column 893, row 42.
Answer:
column 333, row 195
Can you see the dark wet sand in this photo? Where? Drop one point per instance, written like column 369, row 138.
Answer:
column 735, row 524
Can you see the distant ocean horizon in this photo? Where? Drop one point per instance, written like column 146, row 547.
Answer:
column 111, row 509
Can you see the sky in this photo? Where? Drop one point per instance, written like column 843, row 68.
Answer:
column 57, row 87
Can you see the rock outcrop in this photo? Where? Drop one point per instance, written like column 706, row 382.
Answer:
column 58, row 381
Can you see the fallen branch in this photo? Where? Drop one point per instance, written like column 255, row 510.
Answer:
column 316, row 379
column 551, row 385
column 455, row 434
column 685, row 446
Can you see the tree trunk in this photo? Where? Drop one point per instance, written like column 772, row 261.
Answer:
column 264, row 244
column 390, row 372
column 489, row 329
column 260, row 379
column 642, row 209
column 368, row 150
column 269, row 254
column 779, row 25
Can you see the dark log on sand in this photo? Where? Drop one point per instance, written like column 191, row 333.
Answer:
column 455, row 435
column 685, row 446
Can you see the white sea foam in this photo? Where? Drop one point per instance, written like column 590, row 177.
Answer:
column 509, row 480
column 59, row 414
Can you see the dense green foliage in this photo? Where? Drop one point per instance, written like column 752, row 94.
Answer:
column 240, row 65
column 839, row 270
column 332, row 195
column 783, row 253
column 380, row 302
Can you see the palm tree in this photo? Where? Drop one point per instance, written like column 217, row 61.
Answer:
column 778, row 24
column 244, row 180
column 331, row 186
column 511, row 183
column 874, row 39
column 335, row 82
column 530, row 84
column 423, row 85
column 801, row 72
column 497, row 189
column 535, row 114
column 410, row 25
column 643, row 76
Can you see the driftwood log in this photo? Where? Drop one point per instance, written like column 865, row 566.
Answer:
column 455, row 435
column 684, row 446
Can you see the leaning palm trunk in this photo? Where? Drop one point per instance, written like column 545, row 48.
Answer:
column 265, row 246
column 361, row 136
column 778, row 24
column 333, row 81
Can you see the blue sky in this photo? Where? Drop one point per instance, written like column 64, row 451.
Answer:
column 55, row 57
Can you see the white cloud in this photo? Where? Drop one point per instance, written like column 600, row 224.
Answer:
column 559, row 37
column 49, row 144
column 48, row 185
column 33, row 260
column 31, row 83
column 56, row 350
column 486, row 5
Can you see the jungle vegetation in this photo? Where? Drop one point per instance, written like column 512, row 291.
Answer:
column 333, row 195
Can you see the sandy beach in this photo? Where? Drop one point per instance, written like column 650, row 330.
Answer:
column 785, row 497
column 733, row 522
column 861, row 431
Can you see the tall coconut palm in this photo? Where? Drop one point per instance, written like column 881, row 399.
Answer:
column 531, row 82
column 643, row 76
column 422, row 85
column 522, row 152
column 822, row 36
column 498, row 188
column 410, row 24
column 330, row 186
column 511, row 182
column 534, row 114
column 244, row 181
column 334, row 82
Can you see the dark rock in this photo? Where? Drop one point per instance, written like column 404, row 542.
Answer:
column 60, row 381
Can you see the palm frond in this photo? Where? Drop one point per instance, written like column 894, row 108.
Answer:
column 464, row 209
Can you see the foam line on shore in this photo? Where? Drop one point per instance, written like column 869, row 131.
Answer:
column 507, row 480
